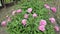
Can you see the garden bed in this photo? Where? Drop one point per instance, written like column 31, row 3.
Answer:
column 30, row 28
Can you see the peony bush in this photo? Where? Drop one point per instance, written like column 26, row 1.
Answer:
column 32, row 18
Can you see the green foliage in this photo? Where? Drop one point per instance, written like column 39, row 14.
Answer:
column 16, row 27
column 8, row 1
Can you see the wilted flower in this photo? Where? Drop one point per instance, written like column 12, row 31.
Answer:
column 7, row 16
column 19, row 11
column 52, row 20
column 29, row 10
column 56, row 28
column 42, row 28
column 53, row 9
column 13, row 13
column 34, row 15
column 24, row 21
column 8, row 19
column 3, row 23
column 26, row 16
column 43, row 22
column 47, row 6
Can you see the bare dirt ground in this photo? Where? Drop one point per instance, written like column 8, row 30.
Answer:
column 3, row 13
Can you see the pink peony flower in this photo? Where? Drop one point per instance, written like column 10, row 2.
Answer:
column 19, row 11
column 47, row 6
column 56, row 28
column 3, row 23
column 43, row 22
column 29, row 10
column 34, row 15
column 42, row 28
column 53, row 9
column 52, row 20
column 24, row 21
column 26, row 16
column 13, row 13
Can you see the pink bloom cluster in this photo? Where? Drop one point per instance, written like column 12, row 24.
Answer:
column 52, row 8
column 4, row 23
column 29, row 10
column 53, row 21
column 42, row 25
